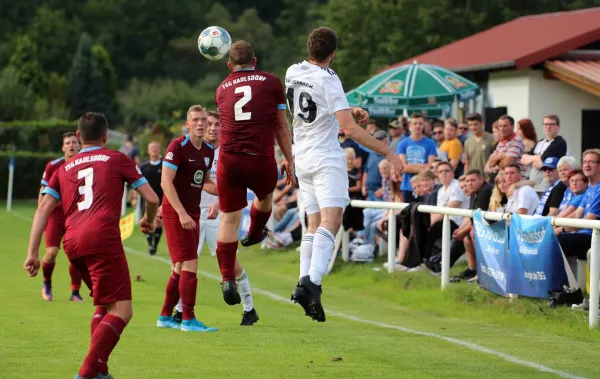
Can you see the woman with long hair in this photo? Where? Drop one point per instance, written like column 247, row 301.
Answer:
column 499, row 199
column 526, row 131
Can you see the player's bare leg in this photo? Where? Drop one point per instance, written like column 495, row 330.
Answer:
column 105, row 337
column 328, row 221
column 250, row 316
column 48, row 263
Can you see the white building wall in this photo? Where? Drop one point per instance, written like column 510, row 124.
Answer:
column 566, row 101
column 510, row 89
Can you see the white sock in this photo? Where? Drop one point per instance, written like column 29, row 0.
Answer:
column 245, row 291
column 321, row 255
column 306, row 248
column 179, row 307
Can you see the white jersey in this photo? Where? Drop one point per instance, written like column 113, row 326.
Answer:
column 207, row 199
column 314, row 94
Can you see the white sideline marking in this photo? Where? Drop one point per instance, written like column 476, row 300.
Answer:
column 468, row 345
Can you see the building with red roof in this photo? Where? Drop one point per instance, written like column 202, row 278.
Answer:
column 533, row 66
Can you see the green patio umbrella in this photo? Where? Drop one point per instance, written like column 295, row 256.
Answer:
column 355, row 99
column 414, row 86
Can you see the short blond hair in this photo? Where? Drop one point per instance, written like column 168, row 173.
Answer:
column 427, row 174
column 591, row 151
column 350, row 153
column 195, row 108
column 415, row 179
column 383, row 163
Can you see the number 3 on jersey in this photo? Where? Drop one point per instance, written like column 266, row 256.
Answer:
column 86, row 189
column 240, row 115
column 308, row 108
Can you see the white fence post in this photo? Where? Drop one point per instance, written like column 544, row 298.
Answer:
column 594, row 278
column 124, row 202
column 391, row 242
column 446, row 251
column 345, row 245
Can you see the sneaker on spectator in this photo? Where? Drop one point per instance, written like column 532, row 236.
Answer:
column 415, row 269
column 397, row 267
column 473, row 279
column 585, row 306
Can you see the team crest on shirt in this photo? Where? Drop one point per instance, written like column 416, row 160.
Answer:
column 206, row 161
column 198, row 176
column 138, row 170
column 169, row 156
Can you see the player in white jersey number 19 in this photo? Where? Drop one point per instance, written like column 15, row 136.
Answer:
column 318, row 106
column 209, row 228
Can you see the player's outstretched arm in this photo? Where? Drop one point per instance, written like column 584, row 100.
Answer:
column 358, row 134
column 32, row 262
column 151, row 199
column 284, row 140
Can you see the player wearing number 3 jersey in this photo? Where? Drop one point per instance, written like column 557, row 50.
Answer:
column 90, row 187
column 252, row 107
column 318, row 106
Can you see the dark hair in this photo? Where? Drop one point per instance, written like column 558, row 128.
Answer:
column 474, row 171
column 527, row 128
column 321, row 43
column 92, row 127
column 68, row 135
column 474, row 117
column 554, row 118
column 241, row 53
column 416, row 115
column 507, row 117
column 214, row 114
column 513, row 165
column 579, row 171
column 445, row 163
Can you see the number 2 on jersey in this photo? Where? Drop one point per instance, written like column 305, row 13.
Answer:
column 240, row 115
column 310, row 107
column 86, row 189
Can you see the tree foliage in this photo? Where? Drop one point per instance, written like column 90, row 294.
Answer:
column 25, row 63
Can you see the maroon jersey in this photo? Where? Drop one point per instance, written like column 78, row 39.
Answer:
column 49, row 171
column 248, row 101
column 90, row 189
column 192, row 166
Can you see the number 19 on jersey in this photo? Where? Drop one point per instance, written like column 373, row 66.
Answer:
column 306, row 109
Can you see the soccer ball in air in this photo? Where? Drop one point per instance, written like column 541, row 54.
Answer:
column 214, row 42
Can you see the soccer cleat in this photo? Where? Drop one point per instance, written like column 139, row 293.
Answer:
column 167, row 322
column 230, row 293
column 194, row 325
column 178, row 317
column 100, row 376
column 249, row 318
column 152, row 250
column 76, row 297
column 300, row 296
column 47, row 291
column 314, row 291
column 247, row 241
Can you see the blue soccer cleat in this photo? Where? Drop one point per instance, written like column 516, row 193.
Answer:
column 194, row 325
column 167, row 322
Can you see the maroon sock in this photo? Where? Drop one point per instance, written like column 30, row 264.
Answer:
column 172, row 296
column 187, row 287
column 226, row 253
column 104, row 340
column 75, row 278
column 258, row 220
column 48, row 269
column 98, row 316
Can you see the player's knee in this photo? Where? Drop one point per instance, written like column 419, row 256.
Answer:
column 121, row 309
column 50, row 256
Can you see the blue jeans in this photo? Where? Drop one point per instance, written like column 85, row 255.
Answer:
column 289, row 218
column 371, row 216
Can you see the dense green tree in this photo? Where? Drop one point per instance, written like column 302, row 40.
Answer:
column 86, row 88
column 27, row 66
column 17, row 100
column 108, row 82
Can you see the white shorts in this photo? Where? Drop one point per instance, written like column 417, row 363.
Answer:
column 323, row 182
column 208, row 232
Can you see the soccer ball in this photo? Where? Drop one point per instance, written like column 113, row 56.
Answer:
column 214, row 43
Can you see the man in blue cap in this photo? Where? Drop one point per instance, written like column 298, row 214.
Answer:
column 551, row 199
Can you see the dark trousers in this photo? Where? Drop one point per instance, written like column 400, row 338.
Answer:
column 435, row 233
column 575, row 244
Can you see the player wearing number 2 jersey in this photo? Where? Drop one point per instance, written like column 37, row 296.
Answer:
column 90, row 189
column 252, row 107
column 318, row 106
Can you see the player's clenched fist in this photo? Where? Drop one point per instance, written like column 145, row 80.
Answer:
column 187, row 222
column 146, row 226
column 360, row 115
column 32, row 265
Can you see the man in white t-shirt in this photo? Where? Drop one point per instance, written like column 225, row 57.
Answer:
column 318, row 105
column 209, row 227
column 524, row 200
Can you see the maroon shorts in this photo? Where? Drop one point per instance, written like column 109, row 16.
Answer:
column 55, row 230
column 237, row 172
column 109, row 275
column 182, row 243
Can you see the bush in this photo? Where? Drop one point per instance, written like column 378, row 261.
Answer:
column 29, row 167
column 39, row 136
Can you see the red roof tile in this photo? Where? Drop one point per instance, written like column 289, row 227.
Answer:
column 519, row 43
column 582, row 74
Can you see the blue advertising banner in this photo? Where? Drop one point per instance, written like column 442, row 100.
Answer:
column 491, row 250
column 535, row 264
